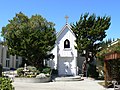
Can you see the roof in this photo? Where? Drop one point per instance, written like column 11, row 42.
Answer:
column 65, row 26
column 114, row 42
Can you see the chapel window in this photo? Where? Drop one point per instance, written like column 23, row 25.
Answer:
column 66, row 43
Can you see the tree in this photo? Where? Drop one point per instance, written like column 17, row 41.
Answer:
column 104, row 44
column 0, row 70
column 32, row 38
column 89, row 32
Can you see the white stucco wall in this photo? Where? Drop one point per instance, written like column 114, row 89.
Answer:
column 53, row 63
column 65, row 58
column 67, row 66
column 67, row 55
column 66, row 34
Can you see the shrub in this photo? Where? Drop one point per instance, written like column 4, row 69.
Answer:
column 32, row 71
column 92, row 72
column 47, row 70
column 5, row 84
column 30, row 76
column 20, row 72
column 31, row 68
column 114, row 69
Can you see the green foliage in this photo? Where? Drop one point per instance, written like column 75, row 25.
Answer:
column 92, row 72
column 106, row 50
column 32, row 71
column 47, row 70
column 5, row 84
column 89, row 30
column 104, row 44
column 31, row 68
column 32, row 38
column 113, row 65
column 114, row 69
column 20, row 72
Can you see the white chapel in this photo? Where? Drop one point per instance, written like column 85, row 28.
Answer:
column 65, row 60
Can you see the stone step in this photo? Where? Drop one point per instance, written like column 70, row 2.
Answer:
column 72, row 78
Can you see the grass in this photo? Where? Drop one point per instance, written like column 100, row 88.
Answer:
column 110, row 85
column 102, row 83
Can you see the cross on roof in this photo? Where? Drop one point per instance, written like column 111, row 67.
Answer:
column 66, row 17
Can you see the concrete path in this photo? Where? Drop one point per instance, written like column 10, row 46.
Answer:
column 86, row 84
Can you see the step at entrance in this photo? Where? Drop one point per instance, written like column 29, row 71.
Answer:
column 60, row 79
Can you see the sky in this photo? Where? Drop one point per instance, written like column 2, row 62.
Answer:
column 56, row 10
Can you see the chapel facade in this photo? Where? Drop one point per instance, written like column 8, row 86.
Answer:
column 67, row 61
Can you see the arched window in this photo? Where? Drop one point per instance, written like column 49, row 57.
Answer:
column 66, row 43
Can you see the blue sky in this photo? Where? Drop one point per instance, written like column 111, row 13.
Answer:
column 55, row 11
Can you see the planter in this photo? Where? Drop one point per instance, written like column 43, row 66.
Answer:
column 32, row 80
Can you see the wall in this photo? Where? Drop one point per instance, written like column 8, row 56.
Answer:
column 53, row 63
column 8, row 59
column 66, row 55
column 66, row 34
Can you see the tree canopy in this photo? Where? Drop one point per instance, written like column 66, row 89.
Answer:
column 90, row 30
column 109, row 48
column 31, row 38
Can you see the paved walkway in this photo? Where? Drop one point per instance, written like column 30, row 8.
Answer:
column 86, row 84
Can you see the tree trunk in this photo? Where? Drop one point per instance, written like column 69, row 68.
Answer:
column 0, row 70
column 106, row 73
